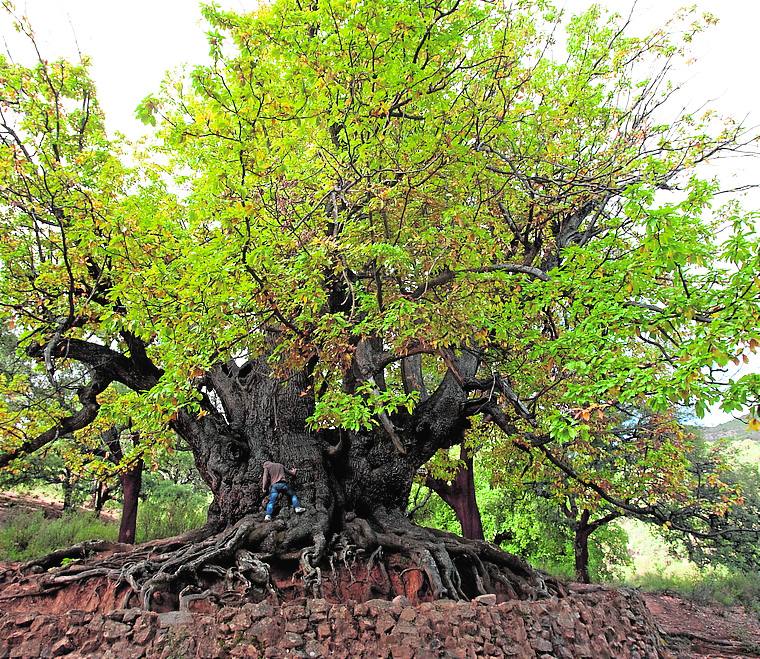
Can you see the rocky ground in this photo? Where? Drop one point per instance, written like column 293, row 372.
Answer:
column 595, row 623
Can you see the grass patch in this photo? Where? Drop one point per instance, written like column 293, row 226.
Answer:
column 657, row 570
column 711, row 586
column 169, row 511
column 37, row 490
column 27, row 535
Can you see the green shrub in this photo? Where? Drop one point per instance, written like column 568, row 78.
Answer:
column 28, row 535
column 170, row 509
column 535, row 530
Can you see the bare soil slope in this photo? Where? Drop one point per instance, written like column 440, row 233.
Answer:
column 705, row 630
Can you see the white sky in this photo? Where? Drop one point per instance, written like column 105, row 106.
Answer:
column 132, row 44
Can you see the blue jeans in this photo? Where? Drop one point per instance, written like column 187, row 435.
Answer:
column 279, row 488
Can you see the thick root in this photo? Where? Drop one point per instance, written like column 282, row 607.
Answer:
column 454, row 567
column 291, row 558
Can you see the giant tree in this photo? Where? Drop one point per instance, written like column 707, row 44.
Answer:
column 361, row 225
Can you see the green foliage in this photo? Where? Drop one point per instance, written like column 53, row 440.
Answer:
column 24, row 536
column 47, row 468
column 738, row 545
column 432, row 511
column 398, row 118
column 647, row 467
column 169, row 509
column 533, row 527
column 284, row 130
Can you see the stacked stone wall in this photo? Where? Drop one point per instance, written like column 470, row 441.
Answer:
column 595, row 622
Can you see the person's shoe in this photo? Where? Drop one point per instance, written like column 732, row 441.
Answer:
column 300, row 510
column 267, row 518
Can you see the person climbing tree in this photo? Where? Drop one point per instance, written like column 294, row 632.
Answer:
column 274, row 480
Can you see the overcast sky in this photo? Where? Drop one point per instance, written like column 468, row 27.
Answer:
column 133, row 43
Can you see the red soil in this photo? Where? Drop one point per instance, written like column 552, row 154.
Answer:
column 705, row 630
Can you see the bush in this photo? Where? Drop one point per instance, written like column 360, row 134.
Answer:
column 170, row 509
column 27, row 535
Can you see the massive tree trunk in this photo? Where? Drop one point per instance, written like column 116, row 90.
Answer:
column 255, row 417
column 354, row 486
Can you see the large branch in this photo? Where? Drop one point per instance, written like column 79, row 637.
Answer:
column 448, row 276
column 86, row 415
column 411, row 375
column 495, row 385
column 449, row 491
column 117, row 366
column 440, row 420
column 440, row 487
column 107, row 366
column 139, row 355
column 651, row 513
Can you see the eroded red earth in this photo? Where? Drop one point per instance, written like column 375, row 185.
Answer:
column 705, row 630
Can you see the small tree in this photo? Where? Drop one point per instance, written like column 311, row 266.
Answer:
column 72, row 461
column 722, row 534
column 654, row 471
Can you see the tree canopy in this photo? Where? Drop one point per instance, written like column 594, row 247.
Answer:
column 425, row 179
column 379, row 220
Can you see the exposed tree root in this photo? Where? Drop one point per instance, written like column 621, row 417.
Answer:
column 292, row 557
column 454, row 567
column 75, row 552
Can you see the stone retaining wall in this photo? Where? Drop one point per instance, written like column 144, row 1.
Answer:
column 591, row 622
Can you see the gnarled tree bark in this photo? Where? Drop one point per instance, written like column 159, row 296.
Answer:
column 354, row 485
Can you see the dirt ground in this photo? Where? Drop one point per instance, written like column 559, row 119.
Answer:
column 12, row 503
column 705, row 630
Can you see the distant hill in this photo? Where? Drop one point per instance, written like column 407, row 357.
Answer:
column 734, row 430
column 745, row 443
